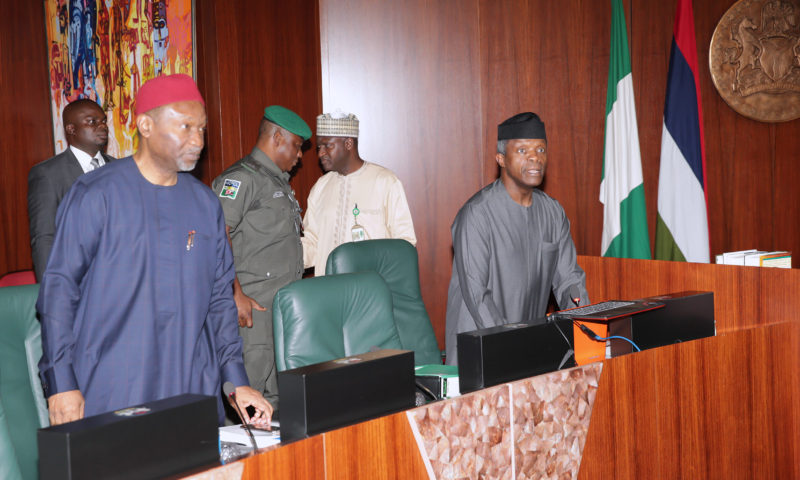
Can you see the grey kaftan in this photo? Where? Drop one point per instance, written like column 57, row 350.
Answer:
column 507, row 258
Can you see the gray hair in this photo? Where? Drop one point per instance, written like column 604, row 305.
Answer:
column 501, row 146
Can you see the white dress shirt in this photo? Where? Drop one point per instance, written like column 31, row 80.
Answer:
column 86, row 160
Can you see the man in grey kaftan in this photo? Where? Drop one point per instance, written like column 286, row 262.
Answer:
column 511, row 242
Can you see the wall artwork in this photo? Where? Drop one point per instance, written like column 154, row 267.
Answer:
column 754, row 59
column 105, row 50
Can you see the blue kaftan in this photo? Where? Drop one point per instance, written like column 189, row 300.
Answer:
column 136, row 302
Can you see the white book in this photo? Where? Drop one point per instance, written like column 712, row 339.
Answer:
column 237, row 434
column 753, row 259
column 776, row 259
column 736, row 258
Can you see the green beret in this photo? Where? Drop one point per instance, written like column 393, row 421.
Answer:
column 283, row 117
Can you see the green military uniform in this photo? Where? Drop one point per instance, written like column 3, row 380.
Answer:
column 265, row 226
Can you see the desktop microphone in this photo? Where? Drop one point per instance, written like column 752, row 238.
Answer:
column 230, row 392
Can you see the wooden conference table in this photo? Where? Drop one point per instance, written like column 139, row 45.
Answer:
column 721, row 407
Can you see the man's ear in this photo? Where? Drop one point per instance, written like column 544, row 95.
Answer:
column 277, row 138
column 501, row 160
column 69, row 128
column 144, row 123
column 348, row 143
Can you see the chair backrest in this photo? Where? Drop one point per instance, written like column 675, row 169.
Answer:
column 397, row 263
column 23, row 408
column 334, row 316
column 25, row 277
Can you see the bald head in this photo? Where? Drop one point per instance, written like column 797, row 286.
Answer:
column 85, row 126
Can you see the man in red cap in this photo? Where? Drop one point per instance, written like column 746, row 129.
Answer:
column 136, row 303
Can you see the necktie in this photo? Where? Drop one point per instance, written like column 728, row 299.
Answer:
column 95, row 163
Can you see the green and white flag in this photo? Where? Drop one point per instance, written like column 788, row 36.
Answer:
column 622, row 189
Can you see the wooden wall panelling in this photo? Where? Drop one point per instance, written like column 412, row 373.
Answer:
column 410, row 71
column 650, row 37
column 26, row 132
column 748, row 180
column 785, row 215
column 280, row 64
column 490, row 65
column 218, row 68
column 552, row 58
column 749, row 164
column 254, row 54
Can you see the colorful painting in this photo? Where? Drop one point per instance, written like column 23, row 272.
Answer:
column 105, row 49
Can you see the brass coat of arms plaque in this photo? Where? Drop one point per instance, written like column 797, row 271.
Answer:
column 754, row 59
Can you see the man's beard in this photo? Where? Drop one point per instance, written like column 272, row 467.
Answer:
column 187, row 165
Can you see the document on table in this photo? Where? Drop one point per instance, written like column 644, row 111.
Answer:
column 237, row 434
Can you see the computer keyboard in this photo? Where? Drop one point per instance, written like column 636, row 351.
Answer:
column 596, row 308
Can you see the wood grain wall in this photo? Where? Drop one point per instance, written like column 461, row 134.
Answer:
column 430, row 81
column 408, row 58
column 254, row 53
column 25, row 127
column 410, row 71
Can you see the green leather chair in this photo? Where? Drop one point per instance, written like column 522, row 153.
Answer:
column 23, row 408
column 397, row 263
column 325, row 318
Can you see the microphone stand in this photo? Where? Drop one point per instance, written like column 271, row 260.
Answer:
column 231, row 393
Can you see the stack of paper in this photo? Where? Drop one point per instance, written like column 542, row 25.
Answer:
column 237, row 434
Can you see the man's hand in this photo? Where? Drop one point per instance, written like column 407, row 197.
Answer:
column 67, row 407
column 248, row 397
column 245, row 306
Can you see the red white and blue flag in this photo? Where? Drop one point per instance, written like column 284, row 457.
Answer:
column 682, row 223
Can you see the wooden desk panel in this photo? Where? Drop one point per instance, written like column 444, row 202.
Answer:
column 379, row 449
column 303, row 460
column 722, row 407
column 743, row 296
column 383, row 448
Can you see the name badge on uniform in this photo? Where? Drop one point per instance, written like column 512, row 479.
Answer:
column 230, row 188
column 358, row 232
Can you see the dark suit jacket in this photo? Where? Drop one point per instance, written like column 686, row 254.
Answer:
column 48, row 182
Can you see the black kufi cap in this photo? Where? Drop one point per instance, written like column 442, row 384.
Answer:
column 522, row 125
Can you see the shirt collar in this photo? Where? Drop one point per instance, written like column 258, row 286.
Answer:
column 267, row 162
column 85, row 159
column 356, row 173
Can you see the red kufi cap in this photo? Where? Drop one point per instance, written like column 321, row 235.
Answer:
column 164, row 90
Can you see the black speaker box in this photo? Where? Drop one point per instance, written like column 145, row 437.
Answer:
column 687, row 316
column 153, row 440
column 495, row 355
column 320, row 397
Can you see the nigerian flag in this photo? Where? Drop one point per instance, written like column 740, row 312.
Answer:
column 621, row 189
